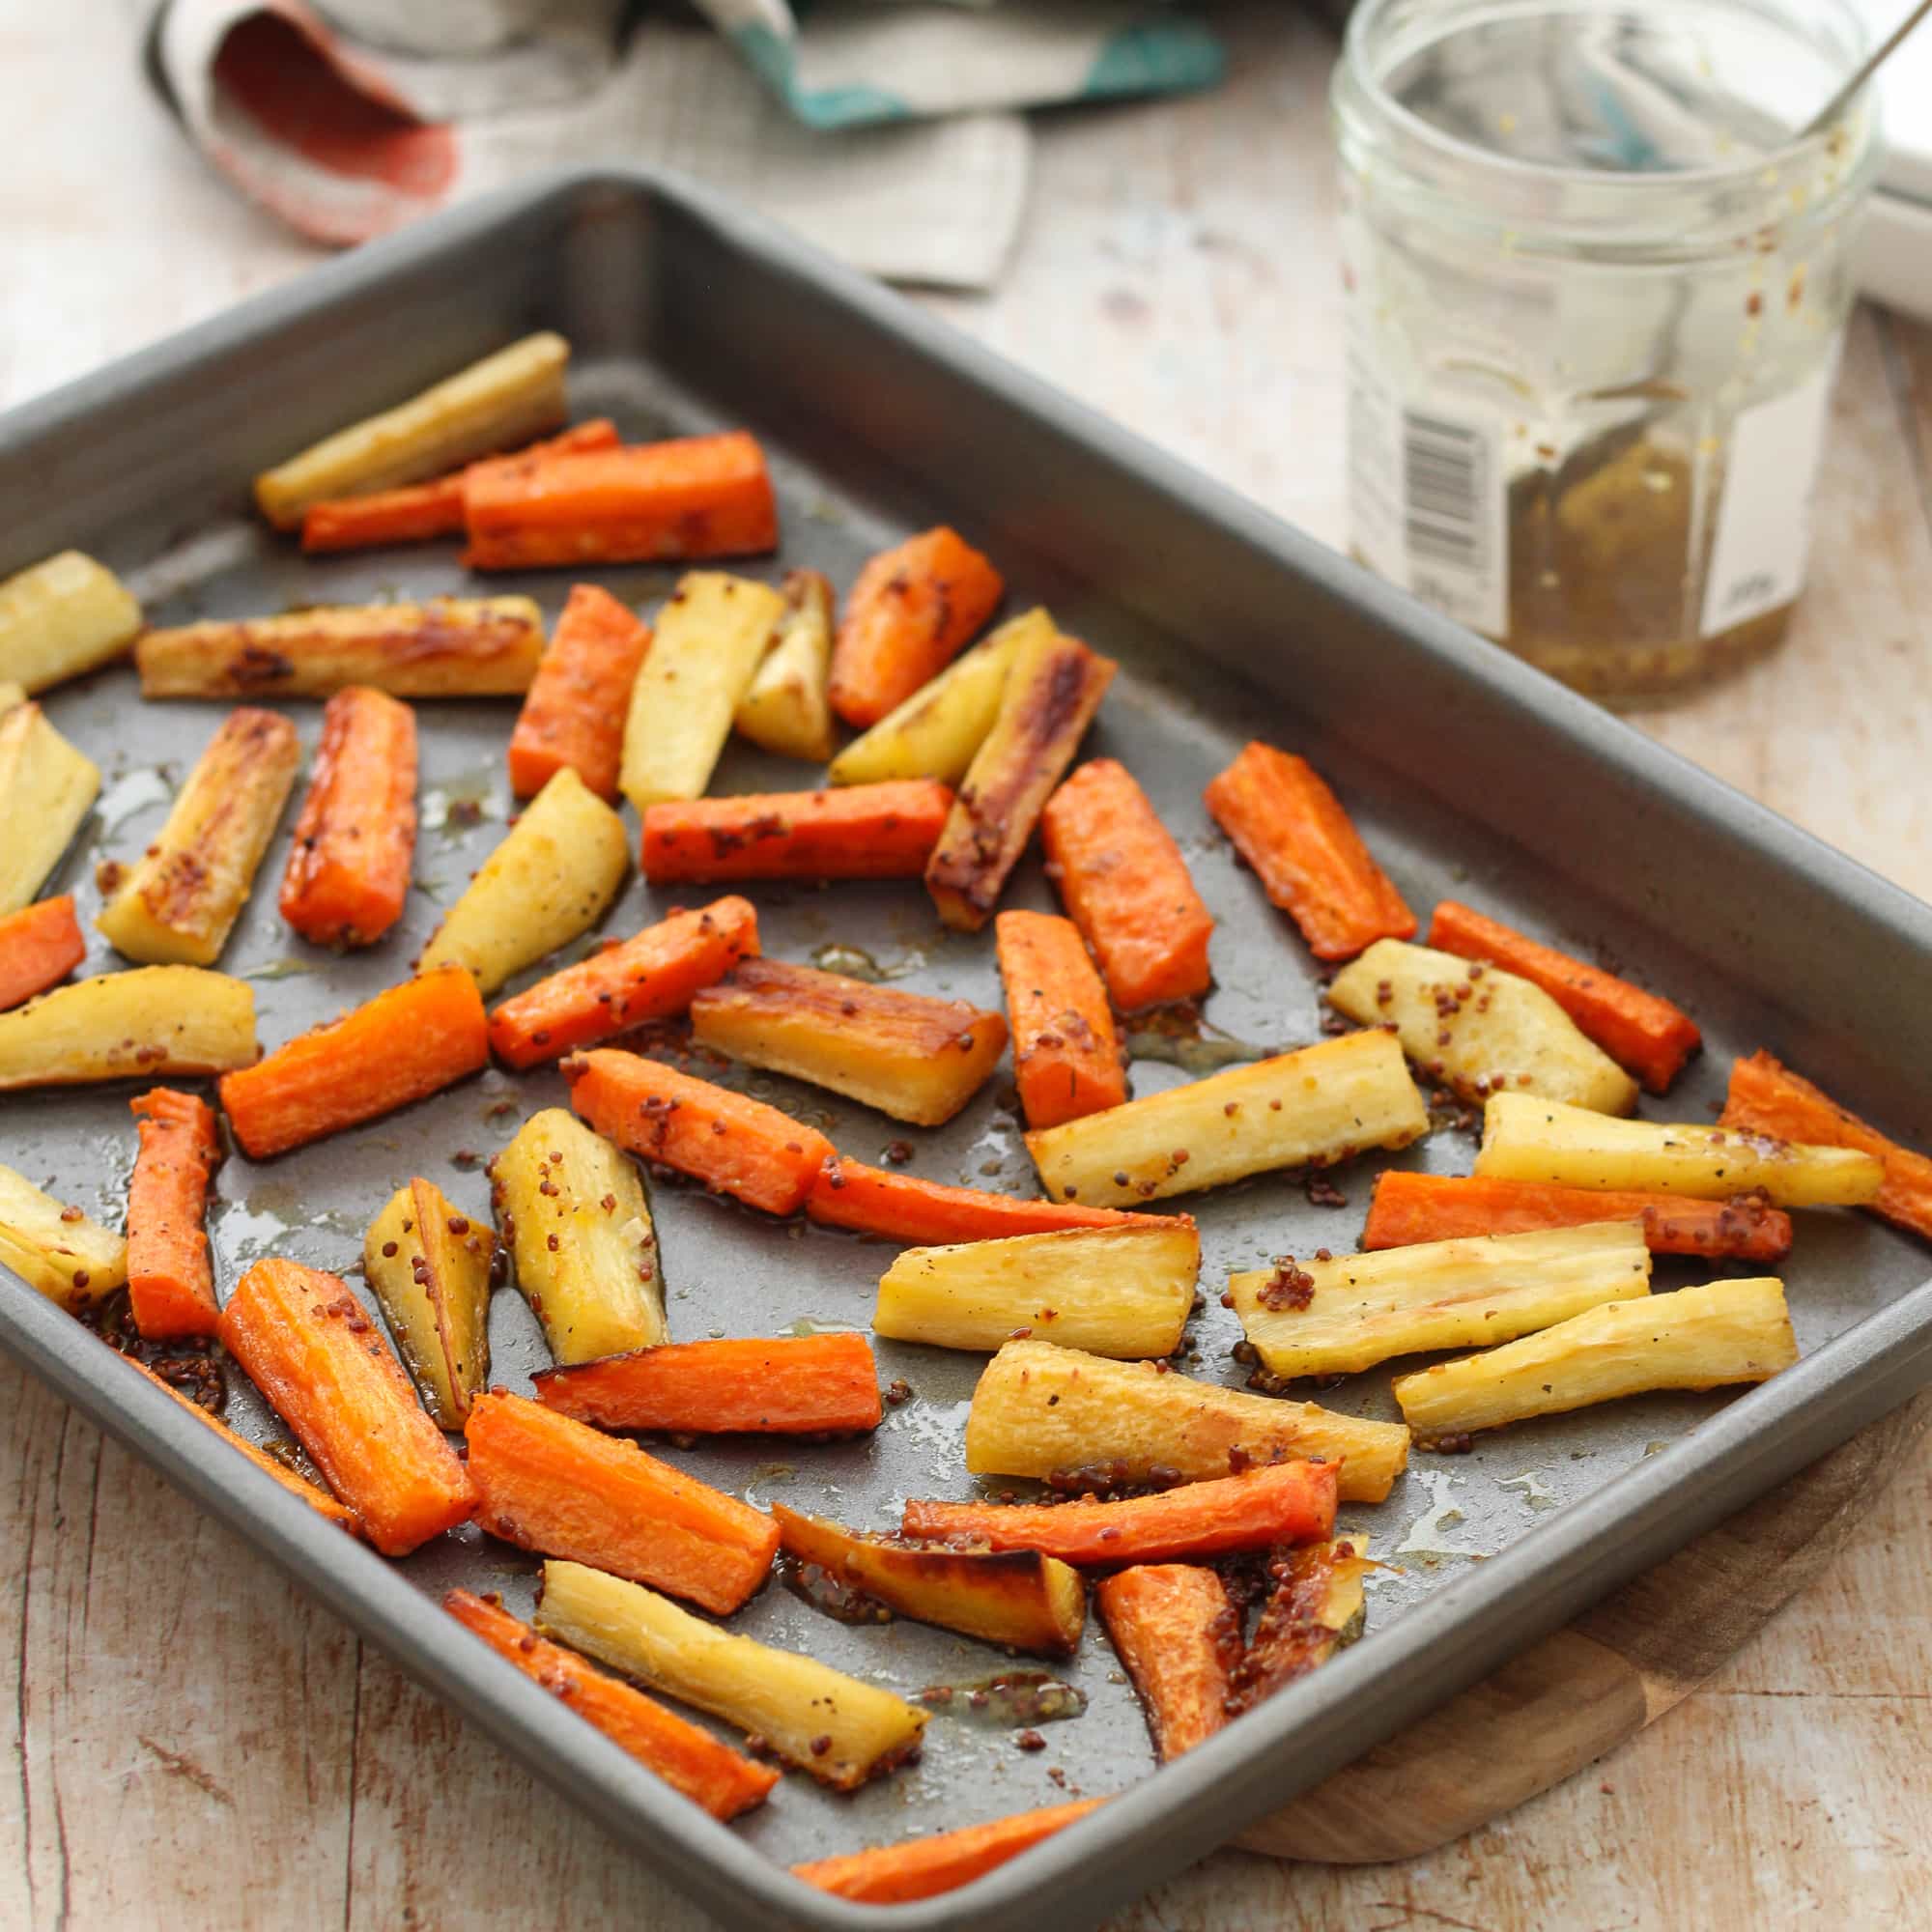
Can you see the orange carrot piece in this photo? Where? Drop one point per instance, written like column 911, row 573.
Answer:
column 735, row 1145
column 708, row 1773
column 422, row 511
column 785, row 1385
column 414, row 513
column 349, row 866
column 329, row 1373
column 1640, row 1030
column 695, row 497
column 1283, row 1502
column 928, row 1213
column 318, row 1500
column 912, row 611
column 1310, row 859
column 1126, row 887
column 1410, row 1207
column 1766, row 1097
column 925, row 1867
column 650, row 976
column 1066, row 1056
column 1175, row 1628
column 170, row 1281
column 574, row 709
column 412, row 1041
column 560, row 1488
column 39, row 946
column 884, row 831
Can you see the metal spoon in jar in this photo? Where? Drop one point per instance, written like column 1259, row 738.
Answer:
column 1877, row 58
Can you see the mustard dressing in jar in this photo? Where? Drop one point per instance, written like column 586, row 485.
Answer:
column 1596, row 296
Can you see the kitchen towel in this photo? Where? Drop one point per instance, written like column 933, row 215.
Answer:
column 886, row 130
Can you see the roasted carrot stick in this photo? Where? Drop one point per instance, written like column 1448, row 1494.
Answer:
column 349, row 866
column 1639, row 1029
column 855, row 831
column 329, row 1373
column 1283, row 1502
column 560, row 1487
column 1412, row 1208
column 574, row 709
column 695, row 497
column 902, row 1208
column 1766, row 1097
column 39, row 946
column 911, row 611
column 414, row 513
column 735, row 1145
column 1310, row 859
column 1066, row 1056
column 409, row 1041
column 170, row 1283
column 421, row 511
column 648, row 976
column 1126, row 887
column 708, row 1773
column 1175, row 1628
column 785, row 1385
column 318, row 1500
column 925, row 1867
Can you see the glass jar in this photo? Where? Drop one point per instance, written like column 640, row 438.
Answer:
column 1596, row 293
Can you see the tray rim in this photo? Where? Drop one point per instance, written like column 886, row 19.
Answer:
column 1159, row 1825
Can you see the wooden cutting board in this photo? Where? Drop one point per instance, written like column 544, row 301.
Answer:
column 1581, row 1691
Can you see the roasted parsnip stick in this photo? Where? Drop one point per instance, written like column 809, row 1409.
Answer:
column 45, row 790
column 1527, row 1139
column 710, row 636
column 430, row 1267
column 72, row 1260
column 1319, row 1105
column 839, row 1729
column 448, row 647
column 1121, row 1292
column 1040, row 1409
column 153, row 1021
column 913, row 1057
column 506, row 399
column 552, row 877
column 62, row 617
column 579, row 1228
column 1477, row 1028
column 1336, row 1316
column 179, row 902
column 1698, row 1338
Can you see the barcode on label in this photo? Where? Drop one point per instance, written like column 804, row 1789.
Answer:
column 1442, row 479
column 1452, row 521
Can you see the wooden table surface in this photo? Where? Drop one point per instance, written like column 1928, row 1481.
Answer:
column 195, row 1744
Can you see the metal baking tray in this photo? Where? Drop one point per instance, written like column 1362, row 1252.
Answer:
column 1469, row 772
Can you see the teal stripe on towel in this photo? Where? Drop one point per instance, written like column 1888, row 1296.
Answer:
column 1162, row 56
column 771, row 57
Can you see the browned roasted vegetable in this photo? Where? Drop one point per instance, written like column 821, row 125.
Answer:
column 916, row 1058
column 1017, row 1597
column 177, row 903
column 449, row 647
column 1051, row 694
column 1315, row 1608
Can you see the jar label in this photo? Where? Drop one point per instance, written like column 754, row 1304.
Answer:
column 1764, row 518
column 1427, row 499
